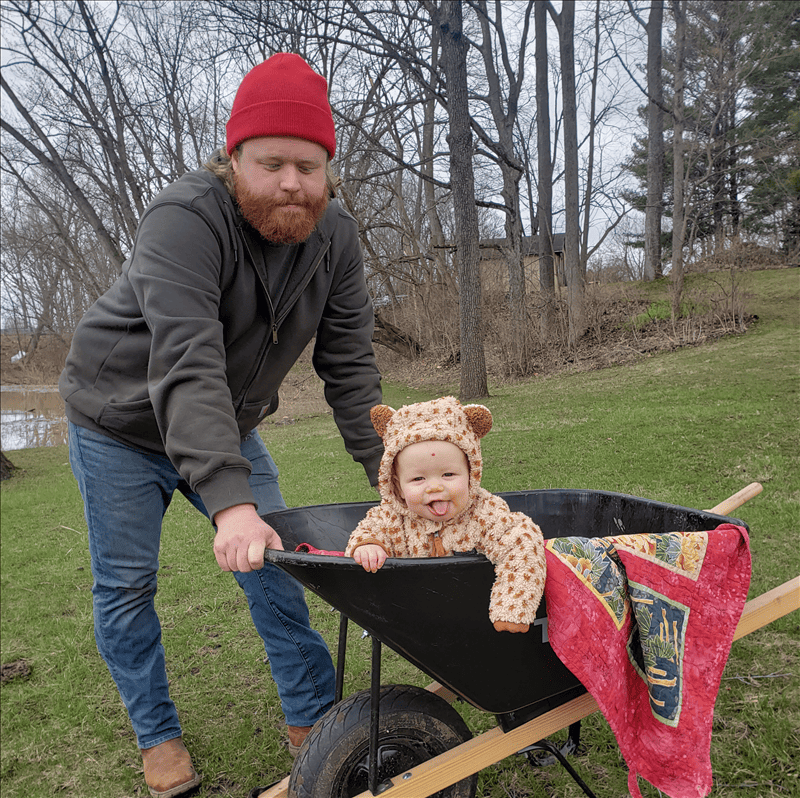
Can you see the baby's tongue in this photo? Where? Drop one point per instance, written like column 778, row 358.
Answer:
column 438, row 508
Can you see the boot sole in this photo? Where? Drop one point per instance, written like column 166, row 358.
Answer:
column 179, row 790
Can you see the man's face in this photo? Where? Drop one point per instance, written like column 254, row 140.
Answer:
column 280, row 185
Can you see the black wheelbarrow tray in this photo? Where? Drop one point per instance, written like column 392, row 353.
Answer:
column 408, row 742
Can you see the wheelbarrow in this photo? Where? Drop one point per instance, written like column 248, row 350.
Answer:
column 402, row 741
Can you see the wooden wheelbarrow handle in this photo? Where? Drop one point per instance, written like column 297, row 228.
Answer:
column 737, row 500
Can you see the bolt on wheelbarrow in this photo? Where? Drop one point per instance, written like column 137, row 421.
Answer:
column 408, row 742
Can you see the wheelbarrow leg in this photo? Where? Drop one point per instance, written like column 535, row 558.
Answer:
column 569, row 747
column 340, row 657
column 374, row 696
column 374, row 714
column 546, row 745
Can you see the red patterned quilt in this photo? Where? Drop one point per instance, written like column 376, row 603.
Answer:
column 646, row 623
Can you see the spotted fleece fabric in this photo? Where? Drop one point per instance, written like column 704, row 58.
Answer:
column 511, row 541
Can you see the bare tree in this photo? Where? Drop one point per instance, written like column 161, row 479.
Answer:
column 679, row 212
column 503, row 104
column 565, row 25
column 454, row 49
column 602, row 184
column 544, row 205
column 101, row 109
column 655, row 138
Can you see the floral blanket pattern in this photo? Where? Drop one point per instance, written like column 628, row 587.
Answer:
column 646, row 623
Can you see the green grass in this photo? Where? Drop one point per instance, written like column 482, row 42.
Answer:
column 661, row 309
column 690, row 427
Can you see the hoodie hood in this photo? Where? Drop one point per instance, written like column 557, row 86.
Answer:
column 444, row 419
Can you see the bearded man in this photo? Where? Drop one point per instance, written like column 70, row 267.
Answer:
column 235, row 268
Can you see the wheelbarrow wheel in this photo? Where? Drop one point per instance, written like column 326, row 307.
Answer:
column 415, row 725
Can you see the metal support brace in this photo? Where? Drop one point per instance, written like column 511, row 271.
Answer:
column 340, row 657
column 374, row 714
column 546, row 745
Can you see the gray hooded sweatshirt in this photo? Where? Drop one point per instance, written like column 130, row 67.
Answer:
column 185, row 353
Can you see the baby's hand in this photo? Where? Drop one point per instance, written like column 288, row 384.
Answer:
column 370, row 556
column 507, row 626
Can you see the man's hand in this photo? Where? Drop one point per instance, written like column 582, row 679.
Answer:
column 241, row 539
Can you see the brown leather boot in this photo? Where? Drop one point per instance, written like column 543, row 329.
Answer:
column 296, row 736
column 168, row 769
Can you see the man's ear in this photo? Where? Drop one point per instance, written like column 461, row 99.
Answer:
column 235, row 157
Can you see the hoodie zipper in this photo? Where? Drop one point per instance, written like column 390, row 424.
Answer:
column 275, row 321
column 298, row 293
column 312, row 270
column 438, row 546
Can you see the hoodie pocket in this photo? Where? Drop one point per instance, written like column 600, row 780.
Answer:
column 252, row 413
column 131, row 420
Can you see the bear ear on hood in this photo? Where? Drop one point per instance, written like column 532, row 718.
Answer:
column 381, row 415
column 479, row 418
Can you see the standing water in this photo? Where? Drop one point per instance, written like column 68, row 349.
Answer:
column 31, row 418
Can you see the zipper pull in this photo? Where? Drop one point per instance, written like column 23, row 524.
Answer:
column 274, row 333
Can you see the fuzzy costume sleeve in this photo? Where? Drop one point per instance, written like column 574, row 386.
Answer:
column 515, row 545
column 380, row 525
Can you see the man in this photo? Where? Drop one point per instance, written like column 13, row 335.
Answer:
column 235, row 268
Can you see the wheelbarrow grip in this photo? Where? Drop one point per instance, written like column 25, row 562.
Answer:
column 737, row 500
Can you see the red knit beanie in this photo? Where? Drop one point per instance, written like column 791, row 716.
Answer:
column 282, row 96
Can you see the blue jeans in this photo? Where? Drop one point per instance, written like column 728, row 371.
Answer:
column 126, row 492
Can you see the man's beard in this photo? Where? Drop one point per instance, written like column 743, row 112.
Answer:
column 275, row 223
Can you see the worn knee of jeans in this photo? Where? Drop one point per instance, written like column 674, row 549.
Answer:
column 126, row 624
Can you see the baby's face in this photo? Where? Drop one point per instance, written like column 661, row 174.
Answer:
column 433, row 479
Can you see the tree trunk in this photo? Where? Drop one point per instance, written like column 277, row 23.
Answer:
column 6, row 466
column 392, row 337
column 544, row 206
column 426, row 167
column 679, row 210
column 504, row 114
column 655, row 145
column 587, row 202
column 565, row 23
column 454, row 61
column 516, row 271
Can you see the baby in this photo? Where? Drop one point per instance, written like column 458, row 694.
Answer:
column 432, row 504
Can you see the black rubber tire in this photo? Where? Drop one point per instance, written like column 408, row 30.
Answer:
column 415, row 725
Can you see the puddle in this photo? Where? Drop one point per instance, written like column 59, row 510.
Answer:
column 31, row 418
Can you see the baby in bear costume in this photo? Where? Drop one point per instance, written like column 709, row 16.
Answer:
column 432, row 504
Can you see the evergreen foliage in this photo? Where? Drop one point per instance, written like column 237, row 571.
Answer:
column 742, row 132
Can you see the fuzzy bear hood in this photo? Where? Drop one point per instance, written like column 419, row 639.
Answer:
column 444, row 419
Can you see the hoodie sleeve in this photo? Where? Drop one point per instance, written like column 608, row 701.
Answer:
column 343, row 353
column 382, row 526
column 174, row 272
column 515, row 545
